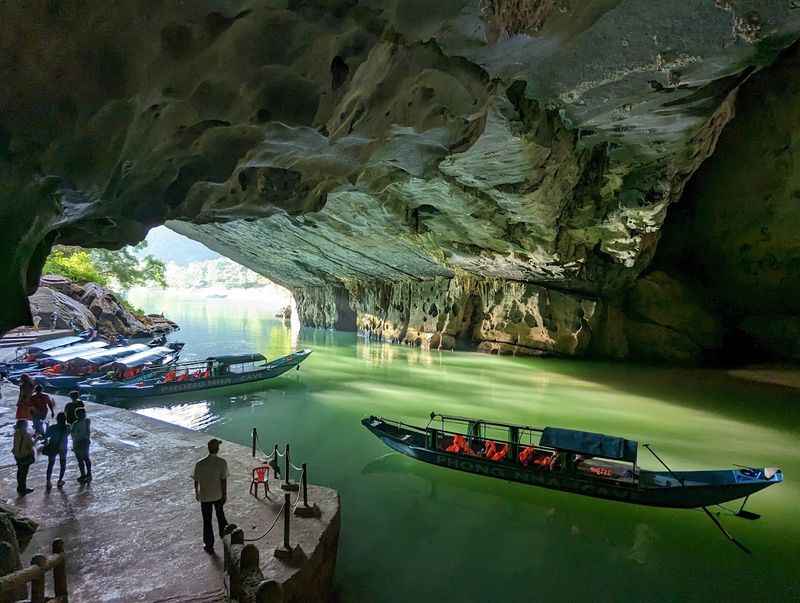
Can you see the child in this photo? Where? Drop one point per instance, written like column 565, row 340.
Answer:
column 56, row 446
column 81, row 443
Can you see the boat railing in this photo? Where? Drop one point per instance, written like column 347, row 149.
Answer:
column 469, row 421
column 497, row 440
column 401, row 425
column 522, row 442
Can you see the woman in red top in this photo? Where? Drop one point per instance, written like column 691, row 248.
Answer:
column 24, row 401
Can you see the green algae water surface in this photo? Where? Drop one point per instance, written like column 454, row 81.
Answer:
column 411, row 531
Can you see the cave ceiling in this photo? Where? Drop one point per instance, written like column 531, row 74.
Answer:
column 340, row 141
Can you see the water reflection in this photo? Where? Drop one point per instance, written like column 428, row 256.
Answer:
column 194, row 416
column 450, row 536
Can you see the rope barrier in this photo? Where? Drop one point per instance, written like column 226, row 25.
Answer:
column 299, row 492
column 274, row 523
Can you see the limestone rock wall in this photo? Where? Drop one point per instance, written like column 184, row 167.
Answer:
column 464, row 312
column 735, row 232
column 349, row 150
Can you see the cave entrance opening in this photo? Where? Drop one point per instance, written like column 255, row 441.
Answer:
column 114, row 290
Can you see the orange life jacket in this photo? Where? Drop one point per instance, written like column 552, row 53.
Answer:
column 526, row 454
column 546, row 462
column 459, row 444
column 500, row 453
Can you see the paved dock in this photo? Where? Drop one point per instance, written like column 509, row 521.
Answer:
column 135, row 532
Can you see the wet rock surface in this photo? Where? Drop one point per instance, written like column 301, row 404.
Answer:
column 135, row 532
column 361, row 147
column 16, row 532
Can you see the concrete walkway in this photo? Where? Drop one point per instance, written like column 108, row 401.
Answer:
column 135, row 533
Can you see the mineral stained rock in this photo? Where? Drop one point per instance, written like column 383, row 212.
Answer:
column 514, row 161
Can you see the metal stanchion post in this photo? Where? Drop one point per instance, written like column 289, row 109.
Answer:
column 287, row 481
column 255, row 437
column 274, row 463
column 306, row 510
column 285, row 552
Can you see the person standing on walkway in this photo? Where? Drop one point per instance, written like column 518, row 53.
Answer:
column 81, row 443
column 211, row 491
column 73, row 405
column 24, row 455
column 40, row 404
column 24, row 399
column 56, row 446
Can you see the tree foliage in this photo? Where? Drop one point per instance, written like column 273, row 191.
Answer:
column 127, row 269
column 121, row 268
column 76, row 265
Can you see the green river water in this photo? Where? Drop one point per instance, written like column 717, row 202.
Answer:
column 411, row 531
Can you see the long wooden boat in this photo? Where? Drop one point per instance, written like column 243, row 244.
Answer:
column 580, row 462
column 132, row 359
column 29, row 356
column 218, row 371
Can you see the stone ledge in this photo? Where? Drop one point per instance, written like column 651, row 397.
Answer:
column 135, row 533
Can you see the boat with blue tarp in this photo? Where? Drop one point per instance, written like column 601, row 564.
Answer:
column 28, row 356
column 67, row 374
column 580, row 462
column 213, row 372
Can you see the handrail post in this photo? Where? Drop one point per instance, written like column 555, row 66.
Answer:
column 305, row 485
column 274, row 463
column 306, row 510
column 285, row 552
column 287, row 482
column 37, row 584
column 255, row 437
column 60, row 570
column 286, row 479
column 286, row 521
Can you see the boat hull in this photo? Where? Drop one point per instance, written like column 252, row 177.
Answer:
column 412, row 444
column 61, row 384
column 148, row 390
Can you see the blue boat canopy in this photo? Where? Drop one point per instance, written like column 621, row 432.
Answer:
column 73, row 350
column 141, row 359
column 592, row 444
column 100, row 357
column 52, row 344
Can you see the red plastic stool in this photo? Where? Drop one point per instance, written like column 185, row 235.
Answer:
column 260, row 476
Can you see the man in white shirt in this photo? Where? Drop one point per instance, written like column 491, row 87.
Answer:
column 211, row 490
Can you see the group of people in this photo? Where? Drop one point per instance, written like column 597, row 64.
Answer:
column 33, row 406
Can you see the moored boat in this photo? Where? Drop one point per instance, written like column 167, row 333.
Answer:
column 217, row 371
column 573, row 461
column 66, row 375
column 28, row 356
